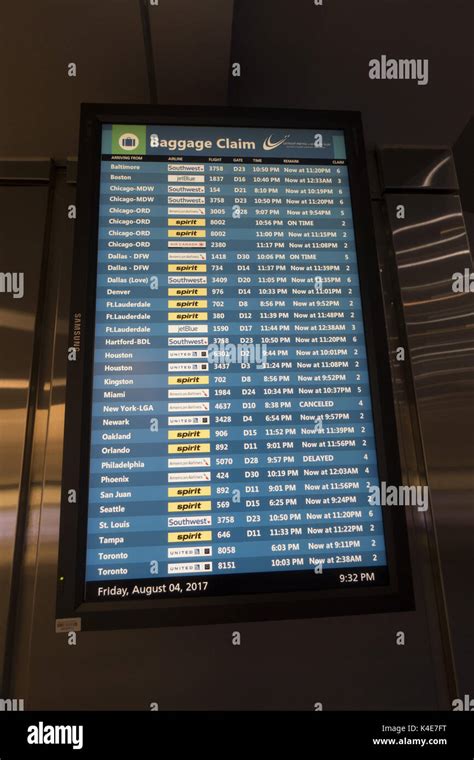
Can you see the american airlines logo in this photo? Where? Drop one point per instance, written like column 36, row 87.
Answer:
column 269, row 144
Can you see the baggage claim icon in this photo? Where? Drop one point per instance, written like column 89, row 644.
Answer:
column 129, row 141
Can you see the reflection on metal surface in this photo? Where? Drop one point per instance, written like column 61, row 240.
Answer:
column 417, row 169
column 21, row 247
column 440, row 332
column 422, row 533
column 36, row 640
column 428, row 181
column 435, row 258
column 15, row 318
column 406, row 227
column 430, row 244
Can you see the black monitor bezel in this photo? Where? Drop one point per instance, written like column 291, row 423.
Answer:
column 396, row 596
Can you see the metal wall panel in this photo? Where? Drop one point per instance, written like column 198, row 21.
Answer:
column 430, row 244
column 463, row 152
column 23, row 213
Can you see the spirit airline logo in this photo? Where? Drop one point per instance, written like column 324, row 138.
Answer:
column 269, row 144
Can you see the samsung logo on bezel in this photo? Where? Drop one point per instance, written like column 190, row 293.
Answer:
column 76, row 332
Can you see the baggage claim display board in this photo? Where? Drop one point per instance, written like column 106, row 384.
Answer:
column 225, row 416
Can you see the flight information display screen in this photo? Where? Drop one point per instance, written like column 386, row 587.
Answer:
column 232, row 446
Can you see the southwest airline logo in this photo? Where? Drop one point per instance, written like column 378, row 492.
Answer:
column 269, row 144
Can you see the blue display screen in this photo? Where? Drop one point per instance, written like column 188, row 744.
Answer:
column 232, row 438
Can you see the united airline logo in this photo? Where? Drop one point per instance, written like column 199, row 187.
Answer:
column 269, row 144
column 128, row 141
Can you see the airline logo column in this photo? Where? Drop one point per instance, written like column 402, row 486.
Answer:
column 189, row 433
